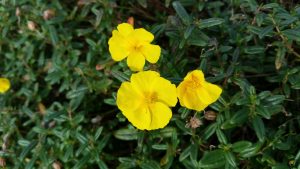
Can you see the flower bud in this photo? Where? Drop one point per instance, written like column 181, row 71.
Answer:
column 2, row 162
column 48, row 14
column 210, row 115
column 130, row 20
column 56, row 165
column 18, row 12
column 31, row 25
column 194, row 123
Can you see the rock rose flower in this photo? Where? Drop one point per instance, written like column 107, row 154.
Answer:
column 146, row 100
column 133, row 44
column 196, row 93
column 4, row 85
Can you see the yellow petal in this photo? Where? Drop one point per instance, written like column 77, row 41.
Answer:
column 195, row 75
column 151, row 52
column 140, row 118
column 4, row 85
column 117, row 46
column 144, row 81
column 143, row 35
column 189, row 97
column 136, row 61
column 160, row 115
column 128, row 98
column 209, row 93
column 125, row 29
column 166, row 91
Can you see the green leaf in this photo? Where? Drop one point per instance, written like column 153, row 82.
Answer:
column 263, row 111
column 27, row 149
column 265, row 31
column 259, row 128
column 292, row 34
column 126, row 134
column 181, row 12
column 150, row 165
column 206, row 23
column 240, row 116
column 188, row 31
column 230, row 158
column 160, row 146
column 53, row 35
column 212, row 159
column 185, row 153
column 280, row 56
column 210, row 130
column 101, row 164
column 254, row 50
column 221, row 136
column 251, row 151
column 240, row 146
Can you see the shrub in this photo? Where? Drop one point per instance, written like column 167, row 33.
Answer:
column 61, row 110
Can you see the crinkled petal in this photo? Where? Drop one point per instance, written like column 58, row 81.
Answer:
column 140, row 118
column 144, row 81
column 151, row 52
column 4, row 85
column 209, row 93
column 136, row 61
column 160, row 115
column 125, row 29
column 128, row 98
column 117, row 46
column 196, row 75
column 143, row 35
column 190, row 98
column 166, row 91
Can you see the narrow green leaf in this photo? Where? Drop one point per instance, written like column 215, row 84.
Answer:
column 160, row 146
column 185, row 153
column 264, row 112
column 206, row 23
column 240, row 146
column 53, row 35
column 265, row 31
column 254, row 50
column 221, row 136
column 212, row 159
column 181, row 12
column 259, row 128
column 230, row 158
column 251, row 151
column 126, row 134
column 210, row 130
column 292, row 34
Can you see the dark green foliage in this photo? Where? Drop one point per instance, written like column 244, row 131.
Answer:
column 61, row 107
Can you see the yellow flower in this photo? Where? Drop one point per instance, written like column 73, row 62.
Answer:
column 196, row 93
column 4, row 85
column 133, row 44
column 146, row 100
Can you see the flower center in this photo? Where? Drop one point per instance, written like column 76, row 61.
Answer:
column 194, row 82
column 150, row 97
column 137, row 47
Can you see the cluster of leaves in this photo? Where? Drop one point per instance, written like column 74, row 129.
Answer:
column 61, row 108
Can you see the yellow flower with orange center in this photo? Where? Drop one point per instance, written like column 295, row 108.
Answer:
column 196, row 93
column 4, row 85
column 146, row 100
column 133, row 44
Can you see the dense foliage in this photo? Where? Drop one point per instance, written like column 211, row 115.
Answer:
column 61, row 112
